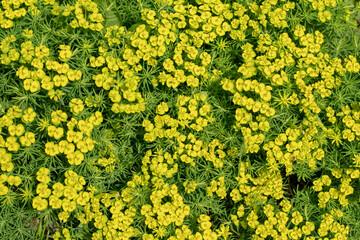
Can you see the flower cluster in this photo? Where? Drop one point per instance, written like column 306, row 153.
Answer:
column 163, row 214
column 218, row 187
column 12, row 126
column 78, row 140
column 86, row 13
column 11, row 181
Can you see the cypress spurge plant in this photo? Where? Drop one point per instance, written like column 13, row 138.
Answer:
column 176, row 119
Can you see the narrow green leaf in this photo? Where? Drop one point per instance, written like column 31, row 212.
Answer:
column 110, row 13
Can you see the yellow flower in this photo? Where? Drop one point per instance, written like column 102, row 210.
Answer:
column 51, row 149
column 286, row 205
column 64, row 53
column 324, row 197
column 192, row 81
column 114, row 96
column 43, row 175
column 319, row 154
column 34, row 86
column 58, row 133
column 63, row 216
column 17, row 181
column 68, row 205
column 60, row 80
column 190, row 186
column 325, row 179
column 58, row 189
column 11, row 144
column 56, row 235
column 224, row 231
column 162, row 108
column 76, row 106
column 39, row 203
column 58, row 116
column 70, row 192
column 28, row 33
column 240, row 211
column 75, row 158
column 3, row 189
column 296, row 218
column 83, row 198
column 42, row 190
column 252, row 219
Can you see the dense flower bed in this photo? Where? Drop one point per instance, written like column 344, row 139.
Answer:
column 184, row 119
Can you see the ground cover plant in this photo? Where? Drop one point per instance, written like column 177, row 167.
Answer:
column 179, row 119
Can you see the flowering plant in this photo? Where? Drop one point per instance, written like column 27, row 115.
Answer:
column 179, row 119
